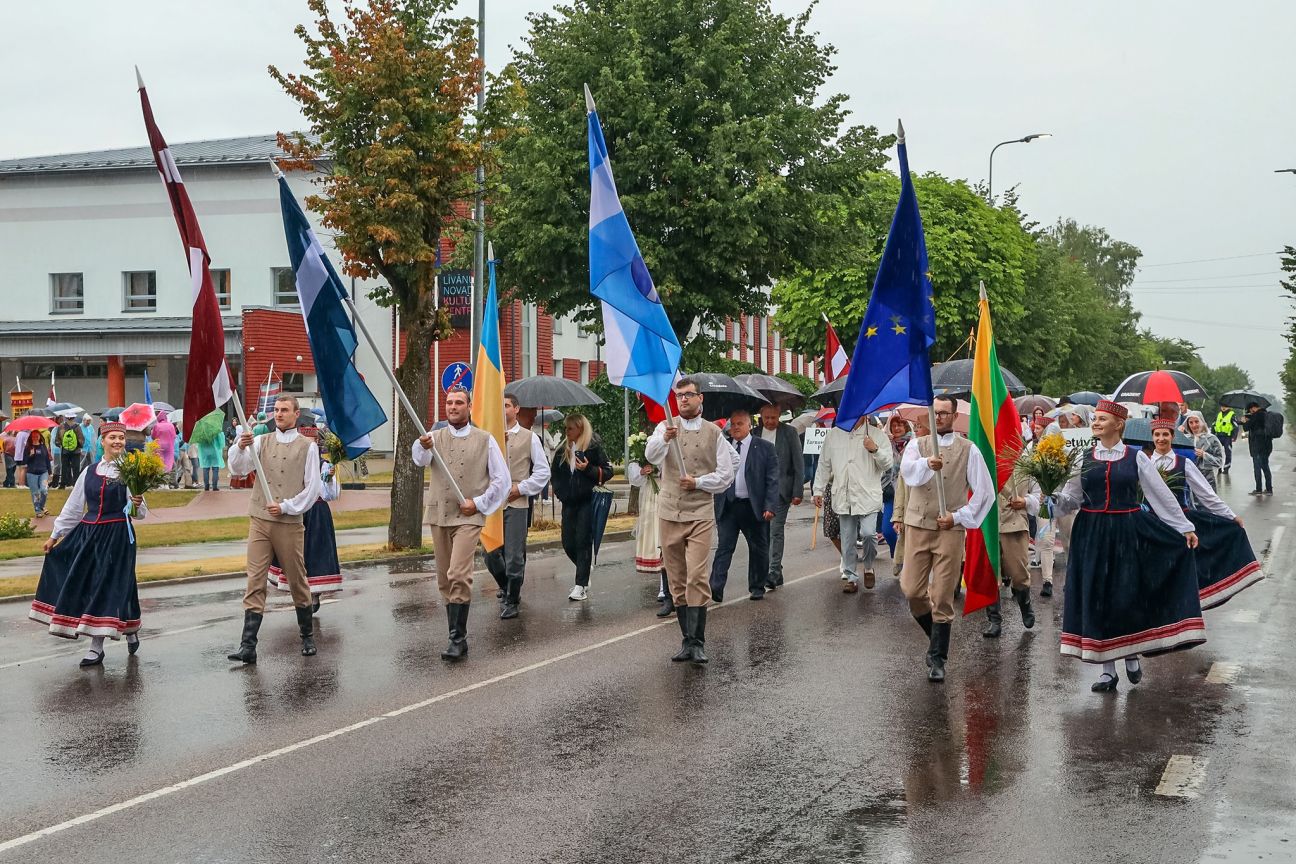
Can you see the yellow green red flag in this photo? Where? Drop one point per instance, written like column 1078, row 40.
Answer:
column 488, row 398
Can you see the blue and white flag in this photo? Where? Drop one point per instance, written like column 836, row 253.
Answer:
column 642, row 351
column 352, row 410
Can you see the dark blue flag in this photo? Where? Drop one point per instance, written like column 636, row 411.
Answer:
column 891, row 363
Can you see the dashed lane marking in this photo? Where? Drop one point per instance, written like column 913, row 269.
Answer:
column 1183, row 777
column 1274, row 543
column 1223, row 673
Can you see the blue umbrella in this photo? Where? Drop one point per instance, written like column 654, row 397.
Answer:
column 1086, row 397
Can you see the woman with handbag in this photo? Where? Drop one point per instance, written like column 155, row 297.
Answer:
column 579, row 466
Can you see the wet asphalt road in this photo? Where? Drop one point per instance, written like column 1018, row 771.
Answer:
column 569, row 736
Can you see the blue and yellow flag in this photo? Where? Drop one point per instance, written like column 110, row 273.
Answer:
column 488, row 397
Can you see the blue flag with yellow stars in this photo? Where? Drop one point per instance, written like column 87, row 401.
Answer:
column 891, row 363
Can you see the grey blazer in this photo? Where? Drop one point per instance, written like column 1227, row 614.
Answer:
column 791, row 464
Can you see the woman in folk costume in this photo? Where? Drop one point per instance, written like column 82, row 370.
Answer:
column 323, row 571
column 1226, row 564
column 1131, row 575
column 87, row 584
column 647, row 532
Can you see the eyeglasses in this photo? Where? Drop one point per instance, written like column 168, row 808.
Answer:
column 687, row 394
column 944, row 413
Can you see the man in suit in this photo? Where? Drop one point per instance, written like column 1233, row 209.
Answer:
column 747, row 506
column 791, row 484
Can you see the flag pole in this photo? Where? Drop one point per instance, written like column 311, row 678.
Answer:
column 266, row 392
column 935, row 439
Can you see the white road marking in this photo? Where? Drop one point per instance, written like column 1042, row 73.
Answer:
column 1223, row 673
column 1246, row 616
column 1286, row 515
column 1183, row 777
column 336, row 733
column 1275, row 542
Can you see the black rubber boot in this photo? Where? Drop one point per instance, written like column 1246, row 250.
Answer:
column 994, row 622
column 938, row 652
column 686, row 645
column 1023, row 598
column 512, row 597
column 697, row 634
column 247, row 645
column 925, row 622
column 668, row 602
column 457, row 617
column 305, row 624
column 315, row 604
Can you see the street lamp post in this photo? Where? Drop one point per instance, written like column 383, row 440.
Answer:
column 1285, row 171
column 1026, row 139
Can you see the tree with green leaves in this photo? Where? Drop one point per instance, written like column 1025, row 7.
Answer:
column 1288, row 374
column 1112, row 263
column 388, row 95
column 723, row 146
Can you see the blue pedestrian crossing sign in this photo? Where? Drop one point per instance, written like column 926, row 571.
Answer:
column 457, row 375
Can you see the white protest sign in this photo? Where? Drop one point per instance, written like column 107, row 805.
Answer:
column 814, row 438
column 1078, row 439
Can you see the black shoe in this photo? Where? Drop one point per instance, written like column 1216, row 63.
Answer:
column 717, row 595
column 758, row 595
column 1255, row 492
column 1134, row 675
column 508, row 609
column 247, row 645
column 457, row 617
column 1047, row 590
column 499, row 595
column 305, row 625
column 994, row 622
column 1106, row 683
column 1023, row 598
column 686, row 646
column 96, row 660
column 667, row 607
column 512, row 599
column 1268, row 491
column 697, row 634
column 938, row 652
column 132, row 643
column 315, row 604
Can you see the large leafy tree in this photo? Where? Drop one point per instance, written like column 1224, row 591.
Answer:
column 1112, row 263
column 723, row 147
column 1288, row 374
column 387, row 93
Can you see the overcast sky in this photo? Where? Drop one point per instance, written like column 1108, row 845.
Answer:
column 1169, row 117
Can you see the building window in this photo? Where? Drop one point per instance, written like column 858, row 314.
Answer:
column 584, row 372
column 294, row 382
column 285, row 286
column 557, row 326
column 528, row 342
column 750, row 321
column 221, row 282
column 67, row 293
column 581, row 332
column 139, row 291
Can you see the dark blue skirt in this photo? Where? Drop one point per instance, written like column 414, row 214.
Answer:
column 1226, row 563
column 87, row 584
column 1131, row 588
column 323, row 572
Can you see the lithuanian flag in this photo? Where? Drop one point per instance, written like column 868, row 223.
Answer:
column 488, row 398
column 995, row 430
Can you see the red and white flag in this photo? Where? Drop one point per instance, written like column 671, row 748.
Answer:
column 52, row 398
column 207, row 386
column 836, row 363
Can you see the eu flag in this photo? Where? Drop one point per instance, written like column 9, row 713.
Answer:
column 891, row 363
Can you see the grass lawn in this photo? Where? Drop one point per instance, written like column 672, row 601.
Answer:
column 19, row 500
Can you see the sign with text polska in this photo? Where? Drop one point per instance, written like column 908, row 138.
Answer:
column 814, row 438
column 456, row 296
column 1078, row 439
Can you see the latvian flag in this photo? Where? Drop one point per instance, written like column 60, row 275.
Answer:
column 836, row 363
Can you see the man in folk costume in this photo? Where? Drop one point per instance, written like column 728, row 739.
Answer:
column 934, row 540
column 686, row 508
column 291, row 467
column 529, row 472
column 1014, row 555
column 473, row 458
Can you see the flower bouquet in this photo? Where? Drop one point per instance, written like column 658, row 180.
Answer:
column 637, row 442
column 140, row 471
column 1050, row 463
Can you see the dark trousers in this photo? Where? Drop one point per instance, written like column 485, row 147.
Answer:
column 578, row 537
column 69, row 468
column 11, row 472
column 1261, row 466
column 739, row 518
column 1226, row 442
column 509, row 561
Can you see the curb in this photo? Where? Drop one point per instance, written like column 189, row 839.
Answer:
column 614, row 537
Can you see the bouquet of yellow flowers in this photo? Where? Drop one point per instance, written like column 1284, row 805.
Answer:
column 141, row 470
column 1050, row 463
column 637, row 442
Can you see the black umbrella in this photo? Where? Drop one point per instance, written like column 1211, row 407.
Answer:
column 1240, row 399
column 1138, row 433
column 955, row 379
column 830, row 394
column 601, row 508
column 775, row 390
column 548, row 391
column 1159, row 385
column 723, row 394
column 1086, row 397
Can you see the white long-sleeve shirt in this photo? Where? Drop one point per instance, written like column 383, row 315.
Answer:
column 916, row 472
column 540, row 471
column 726, row 457
column 496, row 468
column 1158, row 495
column 75, row 506
column 1205, row 497
column 241, row 462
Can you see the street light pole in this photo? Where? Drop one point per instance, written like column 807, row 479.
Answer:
column 479, row 213
column 1026, row 139
column 1285, row 171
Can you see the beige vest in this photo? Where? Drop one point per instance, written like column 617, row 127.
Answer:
column 468, row 461
column 921, row 509
column 285, row 471
column 675, row 504
column 1012, row 521
column 518, row 455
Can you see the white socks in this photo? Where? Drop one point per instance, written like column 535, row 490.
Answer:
column 1109, row 669
column 1131, row 664
column 96, row 647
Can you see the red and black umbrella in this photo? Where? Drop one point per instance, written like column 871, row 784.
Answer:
column 1162, row 385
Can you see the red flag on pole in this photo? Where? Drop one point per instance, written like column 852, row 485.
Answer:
column 207, row 386
column 836, row 363
column 655, row 412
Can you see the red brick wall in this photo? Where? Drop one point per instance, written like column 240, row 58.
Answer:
column 544, row 343
column 595, row 367
column 272, row 336
column 571, row 369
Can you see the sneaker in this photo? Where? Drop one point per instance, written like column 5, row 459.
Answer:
column 580, row 592
column 844, row 577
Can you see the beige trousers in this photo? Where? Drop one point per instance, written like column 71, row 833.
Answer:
column 1014, row 558
column 932, row 567
column 686, row 553
column 285, row 541
column 456, row 546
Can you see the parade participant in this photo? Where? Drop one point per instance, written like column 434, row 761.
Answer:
column 647, row 531
column 1014, row 556
column 1226, row 430
column 580, row 466
column 529, row 473
column 748, row 507
column 319, row 546
column 1209, row 449
column 934, row 540
column 290, row 462
column 1131, row 580
column 791, row 484
column 854, row 463
column 1260, row 445
column 473, row 458
column 898, row 432
column 87, row 584
column 1226, row 564
column 686, row 508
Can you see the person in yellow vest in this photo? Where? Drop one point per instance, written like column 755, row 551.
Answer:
column 474, row 459
column 686, row 509
column 529, row 473
column 291, row 467
column 1226, row 430
column 934, row 540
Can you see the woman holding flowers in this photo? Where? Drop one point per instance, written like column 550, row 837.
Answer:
column 643, row 475
column 87, row 585
column 1131, row 578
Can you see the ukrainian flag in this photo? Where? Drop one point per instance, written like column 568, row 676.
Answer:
column 488, row 397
